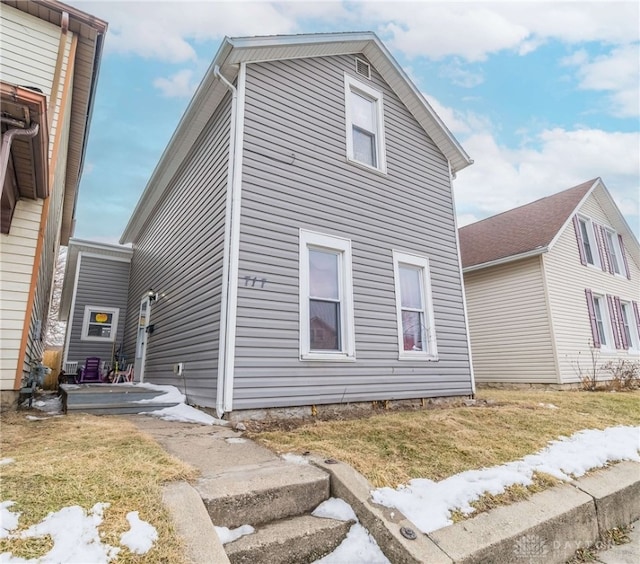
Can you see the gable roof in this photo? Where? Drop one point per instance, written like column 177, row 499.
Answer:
column 525, row 231
column 271, row 48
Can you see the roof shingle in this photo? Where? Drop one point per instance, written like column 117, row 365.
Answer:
column 520, row 230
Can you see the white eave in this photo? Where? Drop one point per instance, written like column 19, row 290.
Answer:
column 270, row 48
column 505, row 260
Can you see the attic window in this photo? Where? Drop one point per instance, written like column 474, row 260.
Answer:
column 363, row 68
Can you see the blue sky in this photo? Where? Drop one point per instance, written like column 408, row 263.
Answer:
column 542, row 95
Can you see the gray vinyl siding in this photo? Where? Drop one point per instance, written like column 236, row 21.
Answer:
column 296, row 108
column 179, row 255
column 101, row 283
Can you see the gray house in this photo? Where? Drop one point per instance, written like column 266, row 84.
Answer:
column 94, row 301
column 296, row 244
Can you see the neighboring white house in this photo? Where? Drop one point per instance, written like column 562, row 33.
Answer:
column 548, row 284
column 50, row 56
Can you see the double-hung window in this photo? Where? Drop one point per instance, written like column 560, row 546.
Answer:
column 587, row 241
column 326, row 298
column 614, row 255
column 365, row 124
column 628, row 326
column 414, row 307
column 99, row 324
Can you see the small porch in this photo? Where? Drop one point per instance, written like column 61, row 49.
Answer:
column 112, row 399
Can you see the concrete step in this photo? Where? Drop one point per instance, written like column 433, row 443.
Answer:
column 297, row 540
column 260, row 493
column 116, row 408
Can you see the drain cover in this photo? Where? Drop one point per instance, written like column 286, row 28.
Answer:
column 408, row 533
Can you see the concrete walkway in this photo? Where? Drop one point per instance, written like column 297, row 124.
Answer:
column 577, row 511
column 624, row 553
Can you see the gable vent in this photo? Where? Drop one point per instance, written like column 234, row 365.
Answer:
column 363, row 68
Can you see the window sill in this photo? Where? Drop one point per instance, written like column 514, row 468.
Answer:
column 327, row 357
column 418, row 357
column 98, row 339
column 380, row 171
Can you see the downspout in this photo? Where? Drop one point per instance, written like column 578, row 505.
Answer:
column 5, row 149
column 226, row 347
column 452, row 177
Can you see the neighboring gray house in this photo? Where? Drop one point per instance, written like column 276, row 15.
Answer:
column 94, row 301
column 296, row 244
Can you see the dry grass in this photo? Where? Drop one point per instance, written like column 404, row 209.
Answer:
column 83, row 460
column 393, row 447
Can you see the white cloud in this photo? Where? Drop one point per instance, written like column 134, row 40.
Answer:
column 474, row 30
column 165, row 30
column 178, row 85
column 503, row 178
column 617, row 73
column 461, row 76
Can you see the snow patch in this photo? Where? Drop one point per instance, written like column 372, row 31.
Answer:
column 227, row 535
column 4, row 461
column 140, row 537
column 235, row 440
column 171, row 394
column 358, row 547
column 8, row 519
column 294, row 458
column 429, row 504
column 335, row 508
column 548, row 406
column 186, row 414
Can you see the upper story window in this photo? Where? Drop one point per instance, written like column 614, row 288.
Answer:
column 326, row 298
column 414, row 308
column 365, row 124
column 614, row 252
column 99, row 324
column 587, row 241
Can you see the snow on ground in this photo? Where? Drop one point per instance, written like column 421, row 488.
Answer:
column 8, row 519
column 430, row 504
column 140, row 537
column 186, row 414
column 359, row 547
column 294, row 458
column 229, row 535
column 4, row 461
column 171, row 394
column 75, row 535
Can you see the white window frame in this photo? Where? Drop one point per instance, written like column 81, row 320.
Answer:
column 601, row 305
column 88, row 310
column 312, row 240
column 592, row 241
column 613, row 245
column 352, row 85
column 628, row 316
column 422, row 263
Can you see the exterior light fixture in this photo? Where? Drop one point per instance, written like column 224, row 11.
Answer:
column 153, row 296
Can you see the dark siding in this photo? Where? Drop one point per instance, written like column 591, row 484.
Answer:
column 101, row 283
column 296, row 108
column 179, row 255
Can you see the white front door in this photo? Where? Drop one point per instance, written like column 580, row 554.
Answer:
column 143, row 335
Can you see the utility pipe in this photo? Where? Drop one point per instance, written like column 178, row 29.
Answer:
column 5, row 149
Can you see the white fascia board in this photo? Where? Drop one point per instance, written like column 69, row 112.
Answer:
column 505, row 260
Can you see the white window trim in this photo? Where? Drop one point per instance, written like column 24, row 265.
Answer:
column 634, row 345
column 310, row 239
column 351, row 84
column 432, row 347
column 115, row 313
column 606, row 320
column 614, row 248
column 593, row 242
